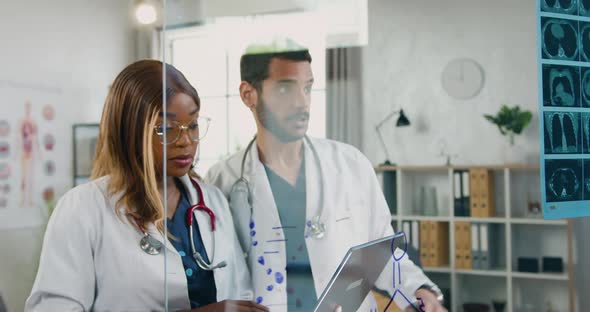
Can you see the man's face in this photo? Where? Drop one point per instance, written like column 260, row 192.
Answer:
column 283, row 104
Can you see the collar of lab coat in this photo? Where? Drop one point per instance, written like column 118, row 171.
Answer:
column 260, row 190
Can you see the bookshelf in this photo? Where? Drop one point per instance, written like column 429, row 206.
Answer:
column 517, row 233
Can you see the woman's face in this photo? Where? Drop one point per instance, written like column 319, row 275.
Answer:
column 182, row 111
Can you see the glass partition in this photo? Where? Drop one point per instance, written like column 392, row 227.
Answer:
column 283, row 155
column 408, row 83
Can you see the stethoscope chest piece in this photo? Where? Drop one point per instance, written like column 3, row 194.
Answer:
column 150, row 245
column 316, row 228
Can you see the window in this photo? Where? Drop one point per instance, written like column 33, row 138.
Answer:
column 212, row 66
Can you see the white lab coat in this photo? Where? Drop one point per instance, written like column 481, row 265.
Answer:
column 91, row 259
column 356, row 212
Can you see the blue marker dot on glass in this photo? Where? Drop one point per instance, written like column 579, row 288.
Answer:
column 269, row 287
column 259, row 300
column 268, row 271
column 181, row 253
column 279, row 277
column 261, row 260
column 251, row 224
column 255, row 243
column 252, row 233
column 189, row 272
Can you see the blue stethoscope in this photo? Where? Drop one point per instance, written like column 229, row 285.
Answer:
column 152, row 246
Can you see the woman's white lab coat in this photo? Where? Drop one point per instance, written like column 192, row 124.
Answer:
column 91, row 259
column 355, row 212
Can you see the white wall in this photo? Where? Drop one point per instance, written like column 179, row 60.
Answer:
column 410, row 42
column 76, row 46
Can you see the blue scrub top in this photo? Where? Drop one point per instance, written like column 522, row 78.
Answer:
column 291, row 204
column 201, row 284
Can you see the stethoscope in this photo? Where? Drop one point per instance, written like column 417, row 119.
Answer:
column 315, row 228
column 153, row 246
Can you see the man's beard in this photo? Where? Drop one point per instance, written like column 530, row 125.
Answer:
column 270, row 122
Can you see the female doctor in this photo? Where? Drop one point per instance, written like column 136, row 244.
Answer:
column 104, row 245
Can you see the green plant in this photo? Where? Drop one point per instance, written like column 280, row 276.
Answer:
column 511, row 121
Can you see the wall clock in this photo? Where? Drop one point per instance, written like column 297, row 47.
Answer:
column 462, row 78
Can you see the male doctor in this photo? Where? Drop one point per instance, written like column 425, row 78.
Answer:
column 300, row 203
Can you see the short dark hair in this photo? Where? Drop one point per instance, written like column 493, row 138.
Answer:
column 254, row 67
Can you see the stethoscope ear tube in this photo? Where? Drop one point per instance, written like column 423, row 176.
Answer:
column 205, row 266
column 190, row 215
column 240, row 204
column 153, row 246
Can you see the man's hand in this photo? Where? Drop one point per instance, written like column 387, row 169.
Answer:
column 232, row 306
column 427, row 302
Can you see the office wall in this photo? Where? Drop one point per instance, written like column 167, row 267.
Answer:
column 74, row 47
column 410, row 42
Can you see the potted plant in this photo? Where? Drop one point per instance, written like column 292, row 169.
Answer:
column 511, row 121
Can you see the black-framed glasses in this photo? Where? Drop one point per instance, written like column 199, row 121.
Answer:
column 196, row 129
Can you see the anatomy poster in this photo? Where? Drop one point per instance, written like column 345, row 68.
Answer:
column 564, row 107
column 33, row 161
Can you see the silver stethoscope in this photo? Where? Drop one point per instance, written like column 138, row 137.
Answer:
column 153, row 246
column 315, row 228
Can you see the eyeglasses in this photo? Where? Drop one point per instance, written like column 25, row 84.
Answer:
column 196, row 129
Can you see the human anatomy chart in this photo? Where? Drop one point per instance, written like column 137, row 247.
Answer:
column 30, row 155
